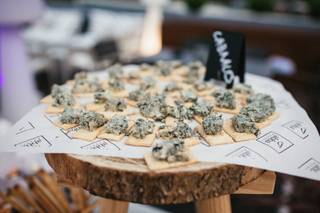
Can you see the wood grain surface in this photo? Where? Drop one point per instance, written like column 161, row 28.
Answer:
column 131, row 180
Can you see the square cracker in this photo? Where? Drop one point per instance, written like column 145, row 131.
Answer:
column 147, row 141
column 112, row 137
column 105, row 84
column 218, row 139
column 198, row 118
column 46, row 100
column 70, row 82
column 171, row 77
column 94, row 107
column 146, row 73
column 192, row 141
column 120, row 94
column 133, row 81
column 237, row 136
column 132, row 78
column 206, row 92
column 84, row 95
column 202, row 70
column 154, row 164
column 268, row 121
column 58, row 110
column 225, row 110
column 170, row 121
column 188, row 104
column 64, row 126
column 109, row 114
column 86, row 135
column 241, row 98
column 54, row 110
column 131, row 103
column 209, row 99
column 183, row 70
column 172, row 96
column 186, row 86
column 134, row 117
column 153, row 90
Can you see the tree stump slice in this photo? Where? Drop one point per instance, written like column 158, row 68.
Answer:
column 130, row 179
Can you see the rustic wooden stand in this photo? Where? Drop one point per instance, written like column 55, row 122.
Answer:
column 121, row 181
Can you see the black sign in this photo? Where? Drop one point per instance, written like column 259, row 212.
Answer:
column 226, row 58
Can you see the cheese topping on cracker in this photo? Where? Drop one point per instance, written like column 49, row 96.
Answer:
column 179, row 111
column 202, row 108
column 71, row 116
column 153, row 107
column 244, row 89
column 170, row 151
column 212, row 124
column 84, row 84
column 180, row 131
column 115, row 104
column 244, row 124
column 117, row 125
column 61, row 96
column 225, row 99
column 100, row 97
column 189, row 96
column 91, row 120
column 142, row 128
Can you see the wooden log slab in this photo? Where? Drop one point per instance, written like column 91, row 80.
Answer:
column 130, row 179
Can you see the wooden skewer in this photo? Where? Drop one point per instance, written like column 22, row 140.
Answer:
column 15, row 203
column 82, row 197
column 78, row 197
column 54, row 188
column 46, row 193
column 18, row 205
column 42, row 200
column 86, row 197
column 10, row 193
column 22, row 194
column 5, row 209
column 90, row 208
column 3, row 196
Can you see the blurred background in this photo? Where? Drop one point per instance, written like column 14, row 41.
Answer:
column 47, row 42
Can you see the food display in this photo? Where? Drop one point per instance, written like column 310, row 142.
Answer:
column 166, row 106
column 40, row 192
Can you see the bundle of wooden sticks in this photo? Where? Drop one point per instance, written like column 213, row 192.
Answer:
column 41, row 193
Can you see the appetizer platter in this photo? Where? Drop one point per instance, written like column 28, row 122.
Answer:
column 169, row 110
column 166, row 106
column 166, row 115
column 159, row 134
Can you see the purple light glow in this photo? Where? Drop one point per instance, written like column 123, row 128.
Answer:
column 18, row 94
column 2, row 29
